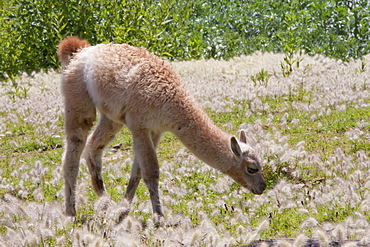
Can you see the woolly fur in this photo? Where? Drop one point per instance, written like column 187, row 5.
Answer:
column 133, row 87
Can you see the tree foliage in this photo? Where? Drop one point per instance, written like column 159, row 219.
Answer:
column 183, row 30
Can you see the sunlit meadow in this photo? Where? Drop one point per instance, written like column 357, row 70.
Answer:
column 312, row 129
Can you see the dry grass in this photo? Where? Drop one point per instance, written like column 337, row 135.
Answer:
column 312, row 129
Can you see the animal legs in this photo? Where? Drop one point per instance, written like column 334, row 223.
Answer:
column 145, row 165
column 134, row 180
column 96, row 143
column 78, row 122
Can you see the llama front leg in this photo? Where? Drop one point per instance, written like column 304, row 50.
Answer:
column 136, row 172
column 131, row 187
column 134, row 180
column 152, row 183
column 96, row 143
column 144, row 148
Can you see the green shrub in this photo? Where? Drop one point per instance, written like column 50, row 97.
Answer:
column 31, row 29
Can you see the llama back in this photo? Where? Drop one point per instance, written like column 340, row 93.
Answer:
column 120, row 79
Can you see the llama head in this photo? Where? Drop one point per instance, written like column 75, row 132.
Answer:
column 247, row 170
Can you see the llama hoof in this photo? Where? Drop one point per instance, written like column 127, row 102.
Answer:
column 71, row 212
column 158, row 220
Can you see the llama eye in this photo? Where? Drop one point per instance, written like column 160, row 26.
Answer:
column 252, row 170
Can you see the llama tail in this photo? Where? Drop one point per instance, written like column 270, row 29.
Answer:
column 68, row 47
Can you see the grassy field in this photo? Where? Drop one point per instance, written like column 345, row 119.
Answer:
column 312, row 129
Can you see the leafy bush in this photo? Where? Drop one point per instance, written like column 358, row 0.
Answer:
column 31, row 29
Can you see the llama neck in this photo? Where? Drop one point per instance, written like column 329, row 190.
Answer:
column 203, row 138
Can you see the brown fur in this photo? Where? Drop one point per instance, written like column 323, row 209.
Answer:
column 133, row 87
column 69, row 46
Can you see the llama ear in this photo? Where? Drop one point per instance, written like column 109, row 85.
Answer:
column 235, row 146
column 243, row 137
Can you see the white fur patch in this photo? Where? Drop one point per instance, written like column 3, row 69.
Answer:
column 89, row 59
column 245, row 147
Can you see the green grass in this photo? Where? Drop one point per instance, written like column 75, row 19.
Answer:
column 321, row 136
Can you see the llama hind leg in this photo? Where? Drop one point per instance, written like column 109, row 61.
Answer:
column 96, row 143
column 77, row 127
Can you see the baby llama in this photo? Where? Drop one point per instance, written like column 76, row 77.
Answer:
column 133, row 87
